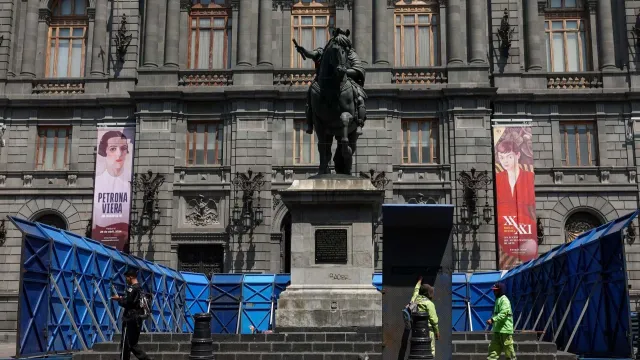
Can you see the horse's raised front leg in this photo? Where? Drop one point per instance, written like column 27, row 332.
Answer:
column 345, row 118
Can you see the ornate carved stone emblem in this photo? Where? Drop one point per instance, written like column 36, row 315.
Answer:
column 203, row 212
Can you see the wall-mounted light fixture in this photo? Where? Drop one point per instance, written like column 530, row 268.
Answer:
column 3, row 129
column 3, row 232
column 540, row 231
column 630, row 234
column 89, row 229
column 122, row 39
column 149, row 185
column 246, row 217
column 505, row 34
column 472, row 183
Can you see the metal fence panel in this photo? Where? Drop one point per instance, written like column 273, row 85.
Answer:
column 226, row 295
column 257, row 302
column 33, row 302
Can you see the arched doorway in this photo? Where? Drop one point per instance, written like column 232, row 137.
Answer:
column 578, row 223
column 52, row 219
column 285, row 247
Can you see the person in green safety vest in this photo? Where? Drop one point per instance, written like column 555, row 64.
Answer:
column 423, row 298
column 502, row 321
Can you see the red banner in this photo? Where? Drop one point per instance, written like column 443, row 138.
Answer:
column 515, row 195
column 112, row 189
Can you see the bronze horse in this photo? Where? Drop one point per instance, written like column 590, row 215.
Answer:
column 334, row 109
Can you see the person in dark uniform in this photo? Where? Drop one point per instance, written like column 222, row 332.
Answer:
column 131, row 322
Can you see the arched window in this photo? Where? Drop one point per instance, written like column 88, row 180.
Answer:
column 52, row 220
column 416, row 33
column 566, row 35
column 210, row 34
column 311, row 24
column 578, row 223
column 66, row 45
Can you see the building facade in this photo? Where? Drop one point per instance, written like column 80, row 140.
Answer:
column 216, row 87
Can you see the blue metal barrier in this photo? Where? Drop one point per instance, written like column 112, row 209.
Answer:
column 481, row 297
column 257, row 303
column 576, row 295
column 196, row 297
column 226, row 292
column 460, row 302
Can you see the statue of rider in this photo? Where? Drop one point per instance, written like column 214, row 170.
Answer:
column 355, row 74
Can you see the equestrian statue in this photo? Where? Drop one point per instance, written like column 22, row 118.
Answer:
column 336, row 100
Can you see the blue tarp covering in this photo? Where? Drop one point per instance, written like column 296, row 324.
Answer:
column 576, row 295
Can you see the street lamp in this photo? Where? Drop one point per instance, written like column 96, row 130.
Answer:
column 472, row 183
column 246, row 217
column 149, row 185
column 3, row 232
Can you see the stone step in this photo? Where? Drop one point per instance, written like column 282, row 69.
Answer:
column 517, row 337
column 280, row 347
column 479, row 347
column 520, row 356
column 90, row 355
column 280, row 337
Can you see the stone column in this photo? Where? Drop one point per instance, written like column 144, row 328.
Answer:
column 477, row 29
column 381, row 31
column 151, row 33
column 172, row 34
column 265, row 42
column 30, row 40
column 534, row 34
column 99, row 38
column 185, row 9
column 455, row 37
column 44, row 19
column 605, row 34
column 361, row 32
column 244, row 34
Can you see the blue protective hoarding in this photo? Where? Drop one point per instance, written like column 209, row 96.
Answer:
column 583, row 299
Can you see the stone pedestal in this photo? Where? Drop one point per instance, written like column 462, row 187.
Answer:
column 331, row 254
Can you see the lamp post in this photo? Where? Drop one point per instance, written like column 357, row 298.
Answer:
column 246, row 217
column 472, row 182
column 149, row 185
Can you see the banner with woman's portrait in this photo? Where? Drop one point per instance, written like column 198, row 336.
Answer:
column 112, row 189
column 515, row 195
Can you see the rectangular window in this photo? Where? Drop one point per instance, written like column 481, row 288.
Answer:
column 419, row 141
column 567, row 45
column 209, row 37
column 416, row 36
column 66, row 51
column 204, row 143
column 311, row 24
column 53, row 147
column 304, row 145
column 578, row 143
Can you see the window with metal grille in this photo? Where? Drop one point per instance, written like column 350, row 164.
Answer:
column 579, row 144
column 53, row 147
column 566, row 36
column 66, row 44
column 304, row 145
column 311, row 24
column 416, row 33
column 205, row 143
column 419, row 141
column 210, row 35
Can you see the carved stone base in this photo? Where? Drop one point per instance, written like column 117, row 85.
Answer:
column 329, row 306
